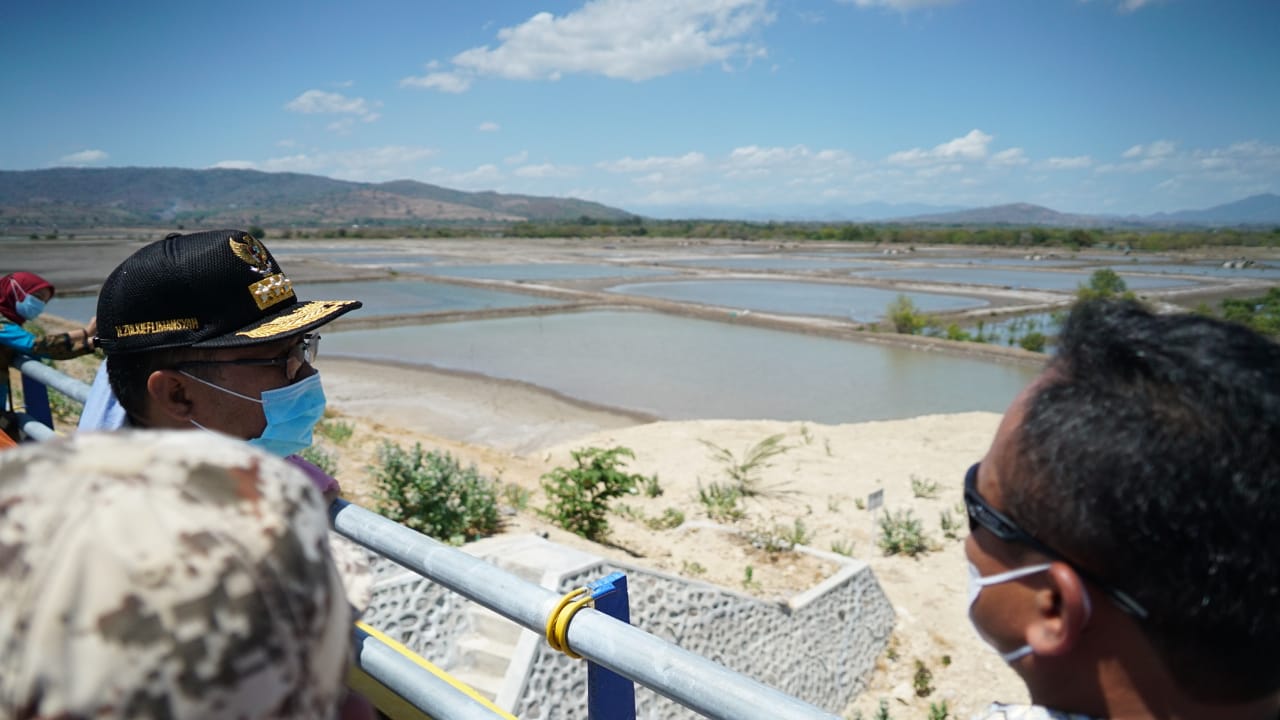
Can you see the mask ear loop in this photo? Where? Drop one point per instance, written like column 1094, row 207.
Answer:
column 219, row 387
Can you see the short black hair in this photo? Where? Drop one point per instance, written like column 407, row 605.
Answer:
column 128, row 374
column 1150, row 455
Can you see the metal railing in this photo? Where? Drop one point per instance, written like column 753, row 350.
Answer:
column 691, row 680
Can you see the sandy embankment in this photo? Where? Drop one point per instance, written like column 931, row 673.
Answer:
column 516, row 432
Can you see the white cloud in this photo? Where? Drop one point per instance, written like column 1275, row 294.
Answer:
column 545, row 170
column 482, row 178
column 287, row 143
column 1141, row 158
column 902, row 5
column 442, row 81
column 314, row 102
column 796, row 161
column 235, row 165
column 1128, row 6
column 972, row 146
column 516, row 159
column 622, row 39
column 84, row 157
column 1069, row 163
column 390, row 162
column 1009, row 158
column 688, row 161
column 488, row 127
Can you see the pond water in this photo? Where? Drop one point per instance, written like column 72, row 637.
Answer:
column 683, row 368
column 79, row 309
column 849, row 302
column 1010, row 330
column 1029, row 280
column 392, row 297
column 773, row 263
column 536, row 271
column 1264, row 272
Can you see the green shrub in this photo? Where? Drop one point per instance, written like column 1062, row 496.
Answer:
column 579, row 496
column 671, row 518
column 922, row 680
column 842, row 547
column 515, row 496
column 950, row 525
column 905, row 317
column 1033, row 341
column 336, row 430
column 924, row 487
column 651, row 487
column 939, row 711
column 722, row 502
column 1104, row 284
column 432, row 493
column 779, row 538
column 321, row 459
column 902, row 534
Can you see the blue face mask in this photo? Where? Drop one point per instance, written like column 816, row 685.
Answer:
column 30, row 307
column 291, row 411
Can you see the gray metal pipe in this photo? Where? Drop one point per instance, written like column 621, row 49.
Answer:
column 697, row 683
column 72, row 388
column 421, row 688
column 35, row 429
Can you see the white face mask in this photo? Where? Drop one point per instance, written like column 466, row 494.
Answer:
column 977, row 582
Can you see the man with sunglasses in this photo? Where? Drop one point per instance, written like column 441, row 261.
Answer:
column 204, row 331
column 1121, row 550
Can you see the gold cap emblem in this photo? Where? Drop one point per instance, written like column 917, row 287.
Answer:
column 251, row 250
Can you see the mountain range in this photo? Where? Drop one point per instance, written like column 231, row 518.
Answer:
column 96, row 197
column 71, row 198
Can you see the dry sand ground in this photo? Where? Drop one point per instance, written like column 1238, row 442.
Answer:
column 517, row 433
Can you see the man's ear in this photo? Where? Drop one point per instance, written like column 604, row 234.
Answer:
column 171, row 403
column 1062, row 611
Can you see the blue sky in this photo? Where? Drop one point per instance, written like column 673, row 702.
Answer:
column 668, row 107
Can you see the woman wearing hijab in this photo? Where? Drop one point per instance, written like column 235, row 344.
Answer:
column 23, row 296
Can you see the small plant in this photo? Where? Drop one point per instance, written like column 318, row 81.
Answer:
column 891, row 650
column 432, row 493
column 651, row 487
column 722, row 502
column 833, row 504
column 922, row 680
column 950, row 525
column 902, row 534
column 516, row 496
column 1033, row 341
column 693, row 568
column 842, row 547
column 749, row 578
column 745, row 473
column 779, row 538
column 336, row 430
column 883, row 712
column 321, row 459
column 579, row 496
column 860, row 503
column 924, row 488
column 671, row 518
column 629, row 512
column 805, row 434
column 939, row 711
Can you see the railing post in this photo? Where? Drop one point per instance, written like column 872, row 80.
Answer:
column 36, row 397
column 609, row 695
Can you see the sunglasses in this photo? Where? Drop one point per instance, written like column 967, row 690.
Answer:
column 302, row 353
column 981, row 514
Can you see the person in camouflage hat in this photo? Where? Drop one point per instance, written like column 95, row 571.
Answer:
column 166, row 575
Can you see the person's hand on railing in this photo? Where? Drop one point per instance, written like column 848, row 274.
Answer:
column 92, row 327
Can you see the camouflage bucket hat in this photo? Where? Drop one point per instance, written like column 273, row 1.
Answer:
column 165, row 574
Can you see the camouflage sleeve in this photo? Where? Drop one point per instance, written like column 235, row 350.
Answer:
column 61, row 346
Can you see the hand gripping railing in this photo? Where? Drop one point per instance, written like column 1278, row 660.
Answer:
column 697, row 683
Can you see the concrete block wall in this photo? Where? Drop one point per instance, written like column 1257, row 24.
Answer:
column 820, row 646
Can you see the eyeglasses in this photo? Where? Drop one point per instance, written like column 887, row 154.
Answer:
column 302, row 353
column 1003, row 527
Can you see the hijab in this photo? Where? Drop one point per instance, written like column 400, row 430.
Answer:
column 14, row 287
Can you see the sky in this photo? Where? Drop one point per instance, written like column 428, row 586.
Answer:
column 669, row 107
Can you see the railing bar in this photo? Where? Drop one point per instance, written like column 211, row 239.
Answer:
column 430, row 694
column 687, row 678
column 69, row 386
column 35, row 429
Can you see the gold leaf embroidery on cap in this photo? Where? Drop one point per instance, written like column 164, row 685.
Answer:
column 271, row 290
column 295, row 319
column 251, row 250
column 151, row 327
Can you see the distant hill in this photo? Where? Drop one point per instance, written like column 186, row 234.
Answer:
column 1254, row 210
column 1012, row 214
column 88, row 197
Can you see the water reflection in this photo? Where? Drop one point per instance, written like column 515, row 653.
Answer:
column 850, row 302
column 681, row 368
column 1030, row 280
column 392, row 297
column 536, row 271
column 773, row 263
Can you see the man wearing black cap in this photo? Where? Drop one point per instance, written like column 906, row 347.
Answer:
column 205, row 331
